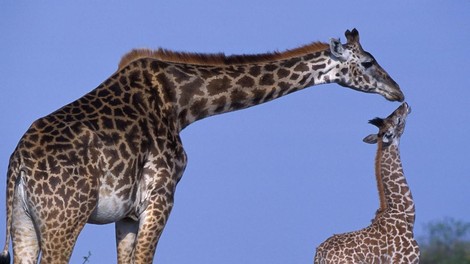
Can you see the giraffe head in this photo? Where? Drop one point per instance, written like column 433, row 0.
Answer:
column 360, row 71
column 390, row 128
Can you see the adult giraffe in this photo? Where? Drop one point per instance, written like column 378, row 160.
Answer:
column 115, row 155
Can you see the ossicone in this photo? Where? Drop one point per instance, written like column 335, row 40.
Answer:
column 352, row 36
column 378, row 122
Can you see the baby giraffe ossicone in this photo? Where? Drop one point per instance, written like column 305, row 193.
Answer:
column 389, row 238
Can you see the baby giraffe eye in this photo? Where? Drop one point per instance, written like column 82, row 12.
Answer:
column 387, row 137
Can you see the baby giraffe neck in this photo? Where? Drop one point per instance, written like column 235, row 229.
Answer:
column 378, row 176
column 397, row 194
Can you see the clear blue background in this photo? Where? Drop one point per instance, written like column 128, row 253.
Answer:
column 270, row 183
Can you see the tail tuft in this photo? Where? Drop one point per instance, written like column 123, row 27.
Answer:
column 5, row 258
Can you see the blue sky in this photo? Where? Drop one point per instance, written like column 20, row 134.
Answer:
column 270, row 183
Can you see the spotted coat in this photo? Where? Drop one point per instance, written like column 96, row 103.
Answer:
column 115, row 154
column 390, row 238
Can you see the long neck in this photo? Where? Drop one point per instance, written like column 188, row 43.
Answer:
column 204, row 90
column 378, row 176
column 397, row 193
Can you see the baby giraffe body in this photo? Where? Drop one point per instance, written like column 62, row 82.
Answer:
column 389, row 239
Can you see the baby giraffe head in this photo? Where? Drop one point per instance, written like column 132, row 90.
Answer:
column 390, row 128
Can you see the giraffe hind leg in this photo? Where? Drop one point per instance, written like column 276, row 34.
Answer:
column 58, row 237
column 57, row 245
column 63, row 215
column 60, row 229
column 24, row 235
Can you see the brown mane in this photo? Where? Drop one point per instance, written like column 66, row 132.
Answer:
column 217, row 58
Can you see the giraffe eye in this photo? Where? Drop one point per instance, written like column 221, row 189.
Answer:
column 387, row 137
column 367, row 64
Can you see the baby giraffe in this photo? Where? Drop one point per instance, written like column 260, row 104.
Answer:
column 389, row 238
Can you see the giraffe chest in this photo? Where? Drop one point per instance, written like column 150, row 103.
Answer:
column 109, row 209
column 125, row 190
column 114, row 203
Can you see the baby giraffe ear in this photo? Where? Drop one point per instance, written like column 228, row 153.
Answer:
column 371, row 139
column 337, row 49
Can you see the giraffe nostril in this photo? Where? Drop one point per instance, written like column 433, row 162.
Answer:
column 400, row 97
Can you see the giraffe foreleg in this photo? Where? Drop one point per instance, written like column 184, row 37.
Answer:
column 151, row 225
column 156, row 205
column 126, row 234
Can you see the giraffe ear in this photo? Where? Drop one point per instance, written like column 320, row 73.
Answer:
column 371, row 139
column 337, row 49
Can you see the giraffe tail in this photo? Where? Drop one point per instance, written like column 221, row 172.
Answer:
column 12, row 179
column 5, row 258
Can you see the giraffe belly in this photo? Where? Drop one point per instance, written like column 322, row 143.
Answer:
column 110, row 208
